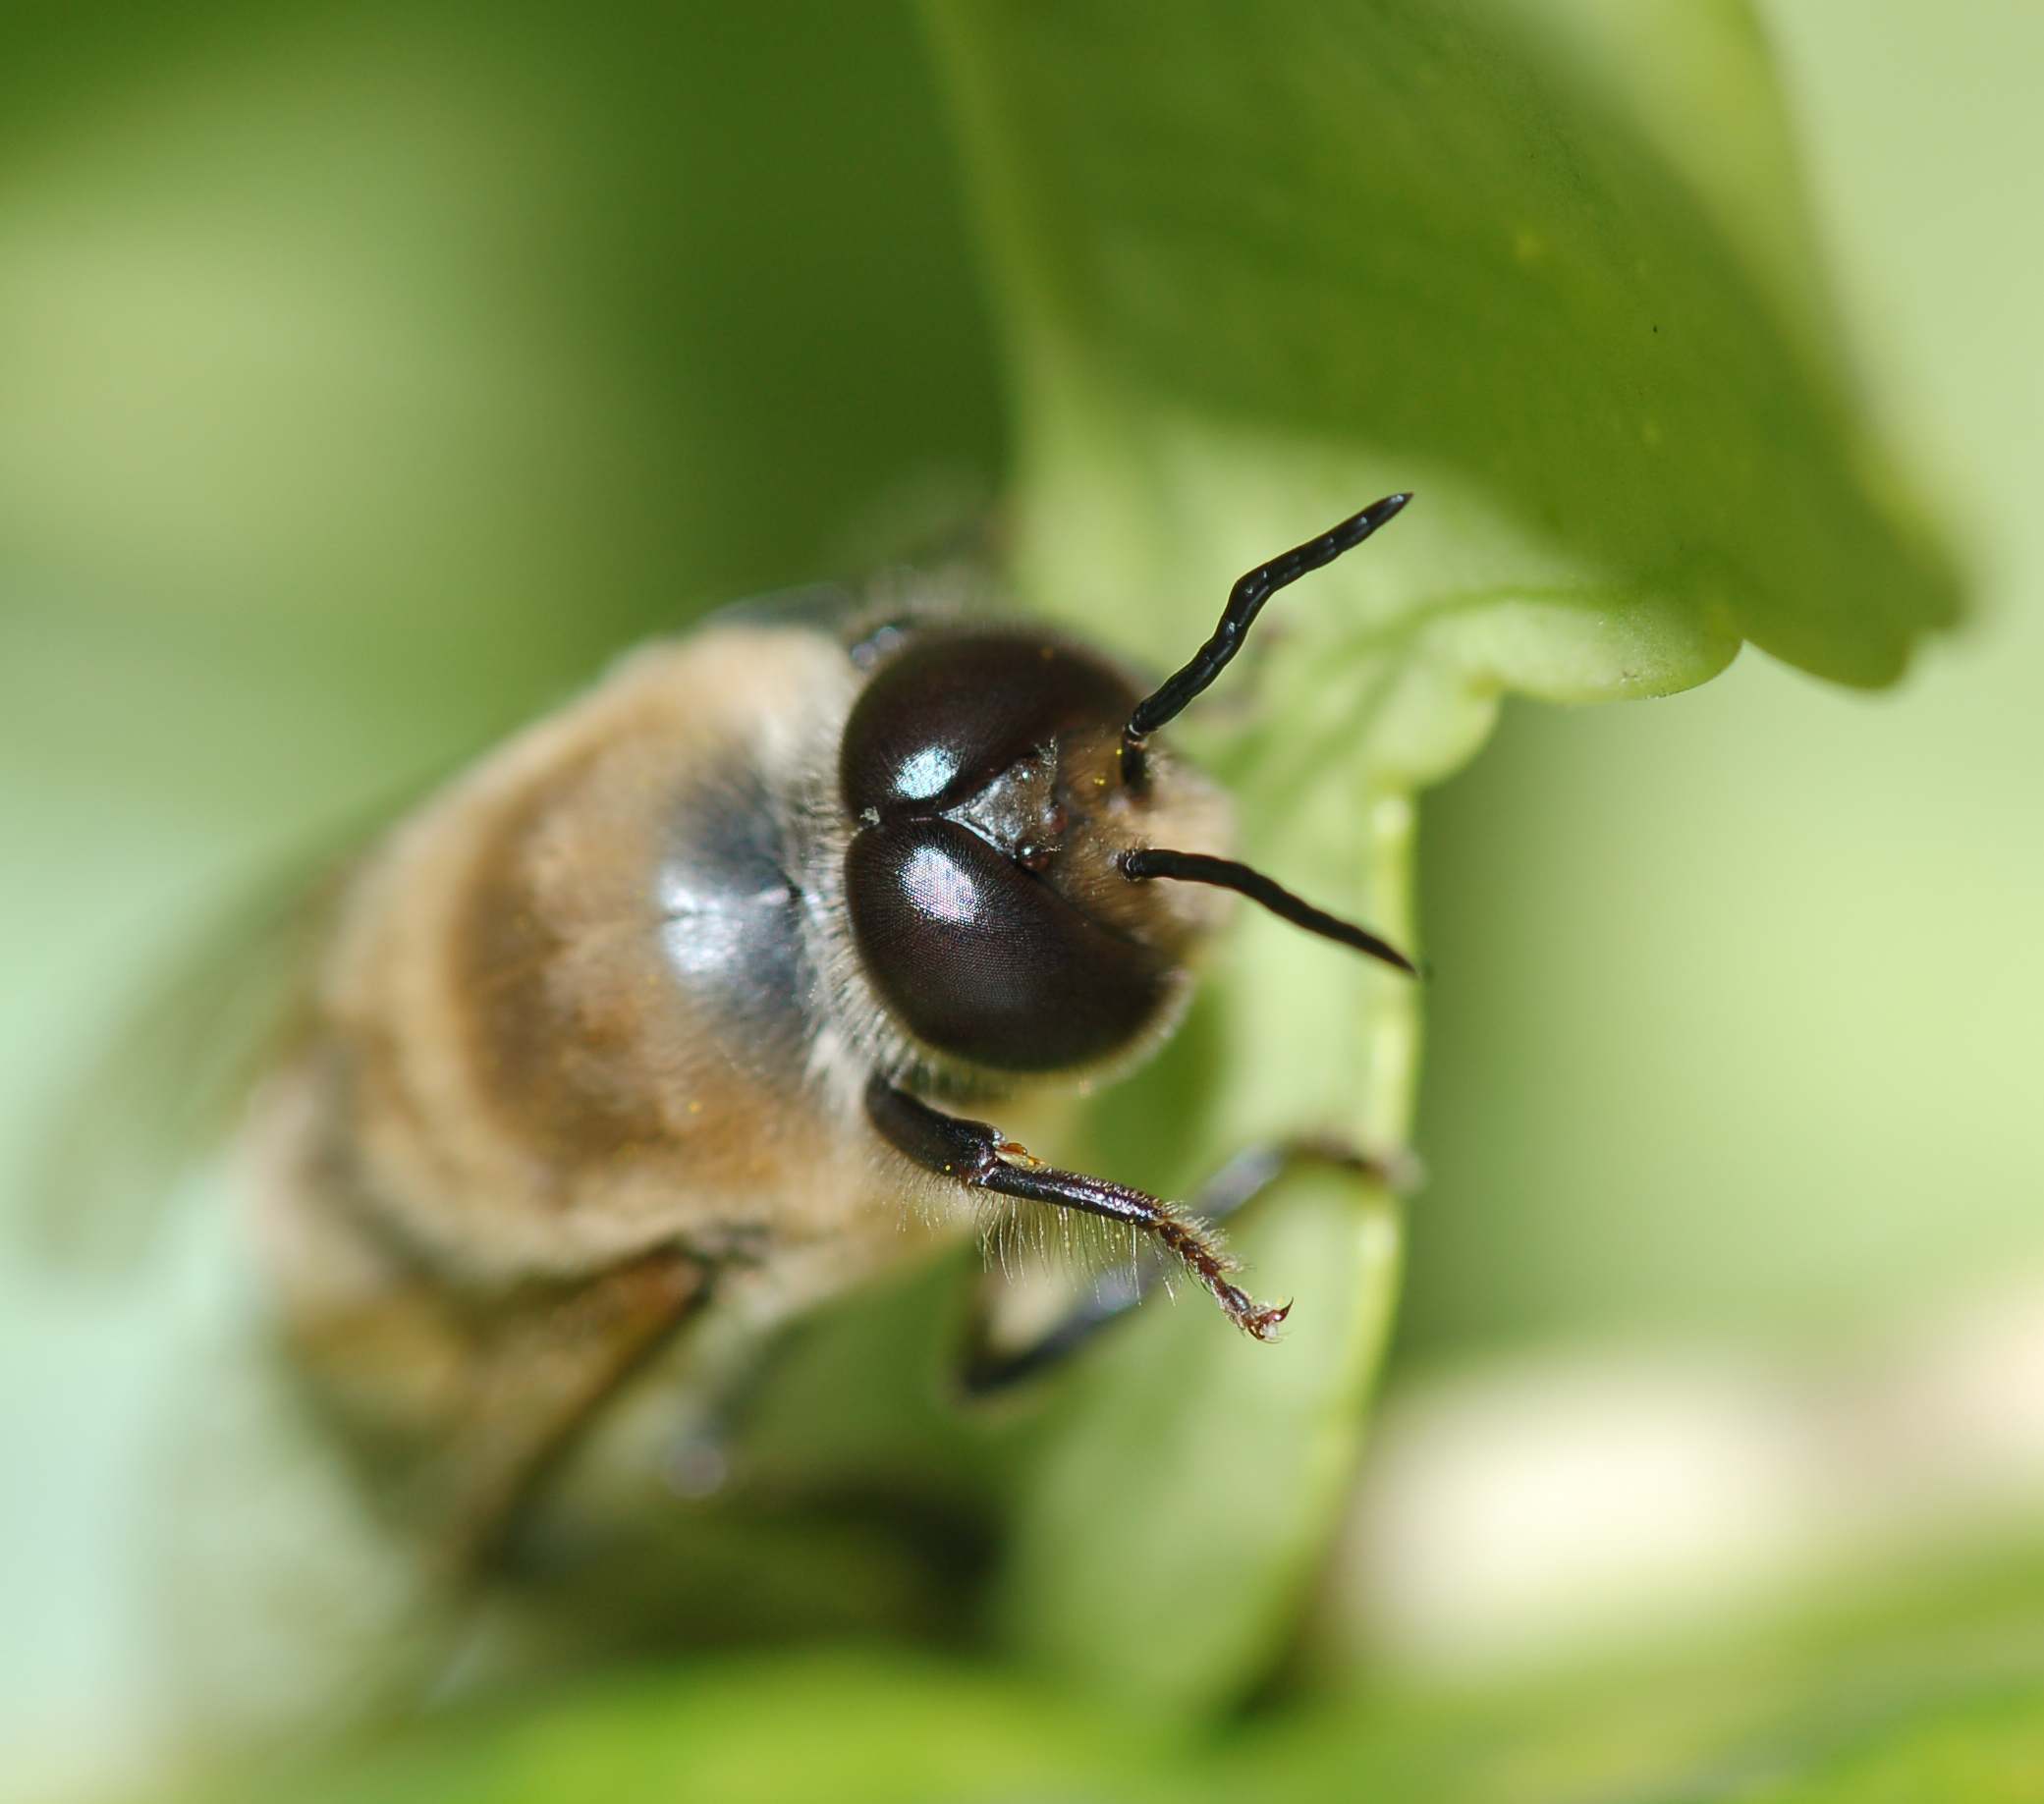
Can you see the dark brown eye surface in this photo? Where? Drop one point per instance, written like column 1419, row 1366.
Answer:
column 944, row 717
column 985, row 962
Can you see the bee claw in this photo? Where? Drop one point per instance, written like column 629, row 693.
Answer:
column 1262, row 1324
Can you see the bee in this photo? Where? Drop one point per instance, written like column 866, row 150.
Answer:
column 676, row 1015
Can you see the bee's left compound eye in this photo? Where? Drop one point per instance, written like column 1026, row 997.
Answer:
column 984, row 960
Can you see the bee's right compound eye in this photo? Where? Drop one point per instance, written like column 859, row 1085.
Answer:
column 982, row 960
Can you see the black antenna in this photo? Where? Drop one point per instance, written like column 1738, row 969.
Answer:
column 1226, row 874
column 1244, row 602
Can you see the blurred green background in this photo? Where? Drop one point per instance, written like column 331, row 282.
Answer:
column 1771, row 1073
column 369, row 374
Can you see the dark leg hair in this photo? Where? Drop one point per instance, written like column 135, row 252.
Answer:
column 978, row 1156
column 1244, row 602
column 987, row 1370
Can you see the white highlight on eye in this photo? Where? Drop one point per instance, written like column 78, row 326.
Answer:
column 924, row 776
column 941, row 890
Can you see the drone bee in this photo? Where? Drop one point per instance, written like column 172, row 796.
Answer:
column 673, row 1018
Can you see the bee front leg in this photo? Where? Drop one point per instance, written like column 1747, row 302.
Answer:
column 978, row 1156
column 987, row 1368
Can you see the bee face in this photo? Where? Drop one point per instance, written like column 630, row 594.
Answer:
column 980, row 770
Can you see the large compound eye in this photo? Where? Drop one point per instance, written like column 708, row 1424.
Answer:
column 947, row 715
column 985, row 962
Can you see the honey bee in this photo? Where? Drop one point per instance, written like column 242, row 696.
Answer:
column 673, row 1016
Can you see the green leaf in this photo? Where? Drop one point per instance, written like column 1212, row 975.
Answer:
column 847, row 1729
column 1274, row 260
column 1927, row 1692
column 1921, row 1682
column 1987, row 1751
column 1259, row 264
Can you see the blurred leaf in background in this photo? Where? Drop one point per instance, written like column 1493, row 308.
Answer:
column 1888, row 1699
column 367, row 378
column 1770, row 1076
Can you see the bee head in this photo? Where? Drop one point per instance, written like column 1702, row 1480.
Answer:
column 982, row 769
column 1011, row 826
